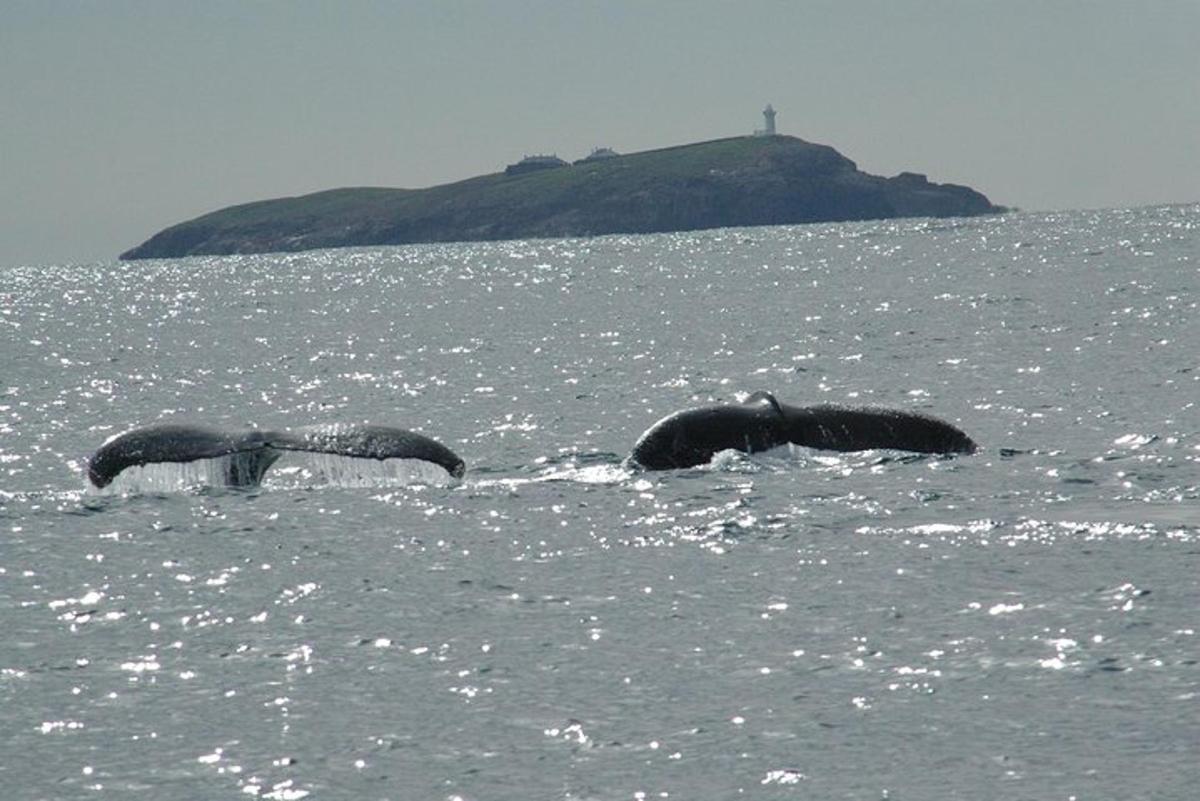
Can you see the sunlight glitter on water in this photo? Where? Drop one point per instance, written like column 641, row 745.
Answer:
column 329, row 639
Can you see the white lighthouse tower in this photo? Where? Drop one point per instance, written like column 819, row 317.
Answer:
column 769, row 120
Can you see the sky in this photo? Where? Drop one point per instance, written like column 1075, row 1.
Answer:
column 121, row 117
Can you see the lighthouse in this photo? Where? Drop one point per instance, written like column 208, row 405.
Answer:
column 769, row 122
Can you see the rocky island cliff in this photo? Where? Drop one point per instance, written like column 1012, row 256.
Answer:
column 742, row 181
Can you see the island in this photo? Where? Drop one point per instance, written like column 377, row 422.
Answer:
column 737, row 181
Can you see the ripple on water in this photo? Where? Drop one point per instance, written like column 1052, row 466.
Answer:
column 559, row 625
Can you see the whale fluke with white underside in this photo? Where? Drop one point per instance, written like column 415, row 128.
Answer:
column 258, row 450
column 691, row 437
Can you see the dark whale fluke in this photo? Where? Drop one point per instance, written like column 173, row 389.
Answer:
column 691, row 437
column 258, row 450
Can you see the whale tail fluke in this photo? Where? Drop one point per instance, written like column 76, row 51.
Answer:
column 241, row 458
column 180, row 443
column 369, row 442
column 763, row 398
column 691, row 437
column 841, row 428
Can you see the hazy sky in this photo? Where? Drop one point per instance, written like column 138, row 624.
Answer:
column 118, row 118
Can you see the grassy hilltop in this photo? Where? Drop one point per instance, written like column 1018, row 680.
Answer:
column 726, row 182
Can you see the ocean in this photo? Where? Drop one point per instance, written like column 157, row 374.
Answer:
column 1015, row 624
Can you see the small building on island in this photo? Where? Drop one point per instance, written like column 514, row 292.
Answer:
column 598, row 154
column 535, row 163
column 768, row 128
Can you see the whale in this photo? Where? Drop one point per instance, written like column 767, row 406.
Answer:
column 691, row 437
column 256, row 450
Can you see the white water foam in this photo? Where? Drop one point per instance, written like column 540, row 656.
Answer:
column 180, row 476
column 604, row 474
column 325, row 469
column 296, row 469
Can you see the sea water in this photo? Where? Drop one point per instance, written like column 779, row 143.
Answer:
column 1020, row 623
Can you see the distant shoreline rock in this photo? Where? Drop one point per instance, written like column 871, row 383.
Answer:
column 741, row 181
